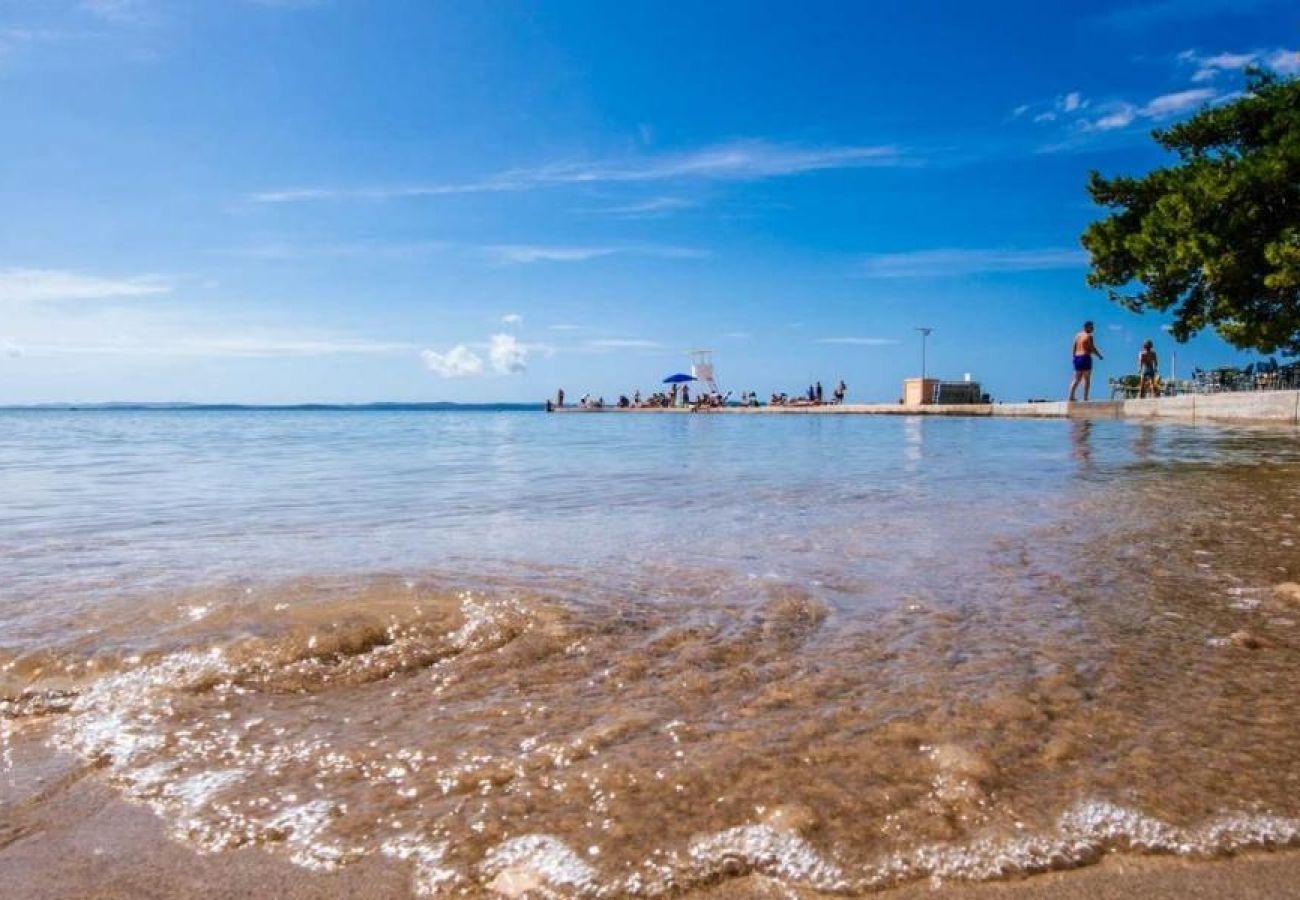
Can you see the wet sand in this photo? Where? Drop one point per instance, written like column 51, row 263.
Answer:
column 94, row 845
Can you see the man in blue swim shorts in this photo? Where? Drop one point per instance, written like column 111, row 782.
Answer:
column 1083, row 350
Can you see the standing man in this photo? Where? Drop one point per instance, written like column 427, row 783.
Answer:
column 1148, row 367
column 559, row 398
column 1084, row 349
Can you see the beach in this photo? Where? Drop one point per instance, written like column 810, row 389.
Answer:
column 509, row 654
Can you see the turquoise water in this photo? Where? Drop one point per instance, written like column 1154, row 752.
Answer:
column 100, row 502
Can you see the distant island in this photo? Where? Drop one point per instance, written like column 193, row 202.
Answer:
column 287, row 407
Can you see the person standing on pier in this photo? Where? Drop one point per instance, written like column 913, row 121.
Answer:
column 1083, row 350
column 559, row 398
column 1148, row 366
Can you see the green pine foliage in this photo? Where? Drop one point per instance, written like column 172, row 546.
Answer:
column 1215, row 237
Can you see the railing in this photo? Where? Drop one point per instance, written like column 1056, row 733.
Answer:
column 1266, row 376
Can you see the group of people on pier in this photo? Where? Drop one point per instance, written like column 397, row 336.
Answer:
column 679, row 396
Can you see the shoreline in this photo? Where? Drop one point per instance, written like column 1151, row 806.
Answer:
column 1279, row 407
column 91, row 835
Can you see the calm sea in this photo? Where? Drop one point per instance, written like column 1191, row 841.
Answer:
column 623, row 654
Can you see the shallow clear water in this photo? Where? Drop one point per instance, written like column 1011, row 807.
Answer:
column 618, row 654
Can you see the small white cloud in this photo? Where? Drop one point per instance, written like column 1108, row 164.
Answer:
column 37, row 285
column 859, row 341
column 1285, row 62
column 1120, row 116
column 1048, row 116
column 1020, row 110
column 513, row 319
column 564, row 326
column 1172, row 104
column 737, row 335
column 1071, row 102
column 508, row 356
column 458, row 362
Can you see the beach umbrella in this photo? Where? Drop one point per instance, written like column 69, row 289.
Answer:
column 678, row 378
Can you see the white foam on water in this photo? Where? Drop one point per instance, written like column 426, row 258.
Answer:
column 195, row 792
column 770, row 851
column 431, row 876
column 1082, row 834
column 303, row 825
column 123, row 720
column 545, row 858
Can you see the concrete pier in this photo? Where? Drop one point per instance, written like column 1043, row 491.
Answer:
column 1281, row 407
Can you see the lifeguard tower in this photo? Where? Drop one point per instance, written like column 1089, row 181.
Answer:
column 702, row 369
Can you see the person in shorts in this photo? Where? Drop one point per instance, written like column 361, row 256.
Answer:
column 1083, row 350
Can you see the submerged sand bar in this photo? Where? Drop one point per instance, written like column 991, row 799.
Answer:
column 1258, row 406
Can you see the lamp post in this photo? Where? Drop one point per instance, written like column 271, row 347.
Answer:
column 925, row 333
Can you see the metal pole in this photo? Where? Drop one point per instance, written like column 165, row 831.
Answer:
column 925, row 333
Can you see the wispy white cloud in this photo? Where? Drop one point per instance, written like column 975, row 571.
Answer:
column 117, row 11
column 289, row 250
column 1210, row 66
column 288, row 4
column 512, row 254
column 608, row 344
column 38, row 285
column 216, row 346
column 859, row 341
column 749, row 160
column 519, row 254
column 1072, row 102
column 737, row 335
column 564, row 326
column 651, row 208
column 458, row 362
column 1122, row 114
column 18, row 35
column 949, row 262
column 1178, row 102
column 1117, row 115
column 1049, row 111
column 1284, row 62
column 512, row 319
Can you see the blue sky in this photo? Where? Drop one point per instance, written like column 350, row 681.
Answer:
column 353, row 200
